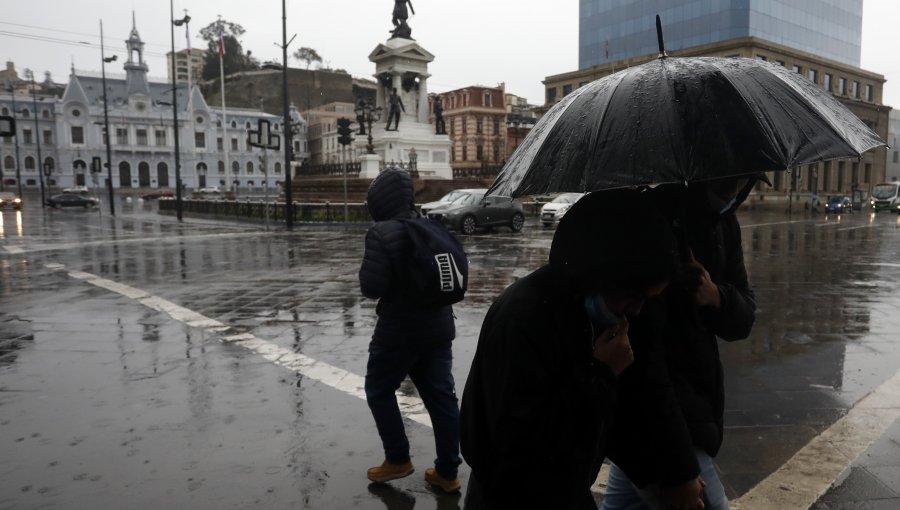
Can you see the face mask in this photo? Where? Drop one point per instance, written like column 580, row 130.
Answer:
column 596, row 308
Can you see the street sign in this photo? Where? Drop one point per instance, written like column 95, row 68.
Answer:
column 263, row 138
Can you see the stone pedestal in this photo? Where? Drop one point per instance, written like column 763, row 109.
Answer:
column 402, row 64
column 370, row 166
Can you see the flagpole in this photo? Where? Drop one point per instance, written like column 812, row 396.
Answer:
column 225, row 141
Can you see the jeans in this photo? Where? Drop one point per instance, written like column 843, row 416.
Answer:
column 428, row 366
column 621, row 494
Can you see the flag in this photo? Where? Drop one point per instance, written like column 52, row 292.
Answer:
column 221, row 45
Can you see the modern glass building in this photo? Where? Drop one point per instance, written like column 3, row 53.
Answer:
column 612, row 30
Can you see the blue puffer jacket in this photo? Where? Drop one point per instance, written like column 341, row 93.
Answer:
column 400, row 320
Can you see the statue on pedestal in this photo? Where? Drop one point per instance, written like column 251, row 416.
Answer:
column 401, row 28
column 439, row 127
column 395, row 106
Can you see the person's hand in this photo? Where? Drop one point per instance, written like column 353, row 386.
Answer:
column 687, row 496
column 613, row 348
column 706, row 292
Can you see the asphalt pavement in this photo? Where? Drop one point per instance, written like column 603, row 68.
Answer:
column 148, row 363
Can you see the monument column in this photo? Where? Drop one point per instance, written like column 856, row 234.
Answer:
column 423, row 99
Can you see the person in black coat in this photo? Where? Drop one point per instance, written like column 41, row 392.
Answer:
column 669, row 419
column 409, row 339
column 541, row 389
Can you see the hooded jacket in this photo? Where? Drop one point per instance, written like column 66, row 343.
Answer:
column 537, row 406
column 672, row 397
column 390, row 198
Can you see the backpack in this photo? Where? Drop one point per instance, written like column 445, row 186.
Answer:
column 437, row 272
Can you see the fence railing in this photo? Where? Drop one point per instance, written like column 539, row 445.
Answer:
column 256, row 210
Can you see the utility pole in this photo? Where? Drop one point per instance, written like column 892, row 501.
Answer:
column 109, row 180
column 37, row 137
column 286, row 126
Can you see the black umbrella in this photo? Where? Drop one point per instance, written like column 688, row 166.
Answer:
column 682, row 120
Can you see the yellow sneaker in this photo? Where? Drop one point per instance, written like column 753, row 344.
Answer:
column 388, row 471
column 448, row 486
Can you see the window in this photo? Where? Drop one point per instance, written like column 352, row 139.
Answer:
column 479, row 152
column 219, row 144
column 551, row 94
column 465, row 125
column 29, row 163
column 9, row 162
column 221, row 167
column 233, row 124
column 200, row 140
column 4, row 111
column 842, row 86
column 854, row 89
column 797, row 69
column 121, row 136
column 827, row 83
column 487, row 99
column 277, row 168
column 45, row 114
column 249, row 167
column 479, row 124
column 567, row 89
column 26, row 136
column 49, row 163
column 868, row 173
column 234, row 144
column 869, row 95
column 77, row 134
column 76, row 113
column 48, row 137
column 813, row 75
column 141, row 135
column 496, row 126
column 235, row 167
column 465, row 153
column 25, row 113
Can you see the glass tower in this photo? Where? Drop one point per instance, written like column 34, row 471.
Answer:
column 611, row 30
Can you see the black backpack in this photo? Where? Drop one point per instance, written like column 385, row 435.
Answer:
column 437, row 272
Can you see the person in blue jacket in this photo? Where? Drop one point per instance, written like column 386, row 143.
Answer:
column 409, row 339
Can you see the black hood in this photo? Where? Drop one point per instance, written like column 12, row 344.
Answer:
column 613, row 239
column 391, row 195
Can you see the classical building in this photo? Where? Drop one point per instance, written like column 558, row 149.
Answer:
column 893, row 154
column 187, row 63
column 820, row 41
column 213, row 149
column 476, row 121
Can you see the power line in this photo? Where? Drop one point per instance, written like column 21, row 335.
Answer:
column 68, row 42
column 94, row 36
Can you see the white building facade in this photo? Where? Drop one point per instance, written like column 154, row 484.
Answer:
column 213, row 145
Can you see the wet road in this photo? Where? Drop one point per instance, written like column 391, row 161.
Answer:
column 117, row 389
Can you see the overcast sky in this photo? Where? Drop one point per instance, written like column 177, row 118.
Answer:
column 483, row 42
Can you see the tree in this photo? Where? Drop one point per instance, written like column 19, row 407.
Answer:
column 307, row 55
column 235, row 59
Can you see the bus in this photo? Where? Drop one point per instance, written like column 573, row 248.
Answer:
column 885, row 197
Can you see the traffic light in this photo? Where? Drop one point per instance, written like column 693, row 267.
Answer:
column 344, row 131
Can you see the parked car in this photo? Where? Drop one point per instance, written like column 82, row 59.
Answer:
column 554, row 210
column 838, row 205
column 72, row 200
column 150, row 195
column 444, row 200
column 77, row 189
column 473, row 210
column 210, row 190
column 9, row 199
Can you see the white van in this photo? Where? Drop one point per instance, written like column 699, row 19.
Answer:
column 885, row 197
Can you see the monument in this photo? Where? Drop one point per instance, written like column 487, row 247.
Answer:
column 404, row 132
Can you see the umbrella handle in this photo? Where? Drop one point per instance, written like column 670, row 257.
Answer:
column 659, row 38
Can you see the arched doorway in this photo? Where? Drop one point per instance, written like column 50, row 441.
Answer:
column 144, row 174
column 201, row 175
column 79, row 168
column 124, row 175
column 162, row 175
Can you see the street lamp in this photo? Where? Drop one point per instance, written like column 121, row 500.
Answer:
column 48, row 169
column 176, row 23
column 366, row 111
column 109, row 181
column 37, row 133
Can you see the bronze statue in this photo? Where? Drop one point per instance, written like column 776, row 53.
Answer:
column 401, row 28
column 439, row 127
column 395, row 106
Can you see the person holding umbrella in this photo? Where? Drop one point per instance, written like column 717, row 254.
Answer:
column 539, row 397
column 669, row 418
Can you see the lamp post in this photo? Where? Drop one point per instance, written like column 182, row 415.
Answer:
column 48, row 169
column 37, row 135
column 366, row 111
column 109, row 181
column 176, row 23
column 10, row 87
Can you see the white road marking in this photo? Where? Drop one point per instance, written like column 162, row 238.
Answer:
column 15, row 250
column 106, row 242
column 347, row 382
column 803, row 479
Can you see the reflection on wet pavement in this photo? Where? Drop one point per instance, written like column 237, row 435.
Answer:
column 182, row 420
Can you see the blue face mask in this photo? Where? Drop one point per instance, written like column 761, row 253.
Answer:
column 600, row 314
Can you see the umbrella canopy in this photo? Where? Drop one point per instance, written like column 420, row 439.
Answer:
column 681, row 120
